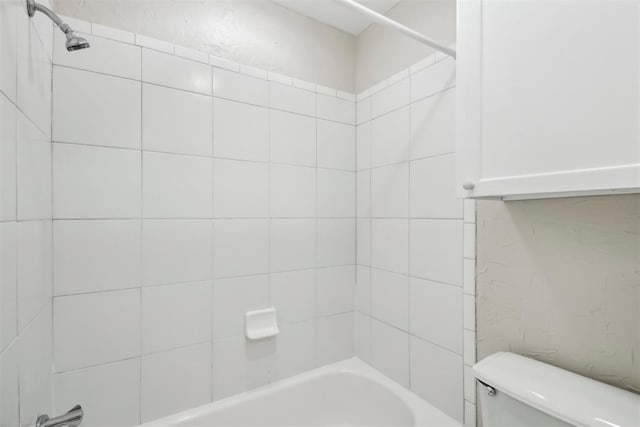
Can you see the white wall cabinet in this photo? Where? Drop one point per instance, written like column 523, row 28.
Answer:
column 548, row 98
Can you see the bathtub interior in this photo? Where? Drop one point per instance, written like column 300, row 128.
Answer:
column 334, row 399
column 347, row 393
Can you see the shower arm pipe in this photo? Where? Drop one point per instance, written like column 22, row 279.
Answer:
column 33, row 7
column 379, row 18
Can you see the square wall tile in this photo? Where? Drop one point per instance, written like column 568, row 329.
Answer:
column 112, row 33
column 176, row 186
column 433, row 192
column 9, row 51
column 469, row 211
column 390, row 298
column 469, row 385
column 293, row 244
column 336, row 338
column 90, row 319
column 469, row 302
column 112, row 385
column 336, row 145
column 296, row 349
column 433, row 126
column 95, row 182
column 288, row 98
column 336, row 109
column 436, row 313
column 96, row 255
column 33, row 186
column 336, row 290
column 33, row 269
column 232, row 138
column 390, row 244
column 336, row 242
column 363, row 146
column 469, row 415
column 391, row 98
column 187, row 369
column 173, row 71
column 155, row 44
column 469, row 347
column 363, row 337
column 105, row 56
column 363, row 193
column 8, row 284
column 436, row 250
column 363, row 111
column 106, row 109
column 436, row 376
column 293, row 294
column 35, row 373
column 390, row 191
column 433, row 79
column 240, row 365
column 8, row 147
column 363, row 242
column 34, row 74
column 293, row 191
column 9, row 387
column 240, row 247
column 336, row 194
column 293, row 138
column 240, row 87
column 390, row 352
column 470, row 241
column 363, row 289
column 240, row 189
column 469, row 281
column 390, row 138
column 175, row 121
column 232, row 298
column 176, row 315
column 176, row 251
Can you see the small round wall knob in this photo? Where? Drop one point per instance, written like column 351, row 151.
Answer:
column 468, row 185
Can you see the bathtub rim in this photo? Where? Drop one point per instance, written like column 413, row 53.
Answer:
column 423, row 412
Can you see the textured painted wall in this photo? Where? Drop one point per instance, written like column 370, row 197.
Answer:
column 257, row 33
column 382, row 52
column 559, row 280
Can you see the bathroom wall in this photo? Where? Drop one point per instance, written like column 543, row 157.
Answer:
column 257, row 33
column 559, row 280
column 25, row 216
column 186, row 193
column 382, row 52
column 415, row 279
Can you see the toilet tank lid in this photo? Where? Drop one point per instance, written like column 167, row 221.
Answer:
column 562, row 394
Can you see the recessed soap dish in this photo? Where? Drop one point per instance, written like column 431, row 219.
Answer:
column 261, row 324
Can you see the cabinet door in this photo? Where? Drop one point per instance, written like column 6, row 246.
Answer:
column 548, row 97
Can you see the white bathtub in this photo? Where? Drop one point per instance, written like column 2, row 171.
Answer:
column 348, row 393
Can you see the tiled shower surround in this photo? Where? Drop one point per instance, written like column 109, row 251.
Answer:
column 187, row 190
column 415, row 318
column 184, row 194
column 25, row 215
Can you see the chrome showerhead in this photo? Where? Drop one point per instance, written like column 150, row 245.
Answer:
column 74, row 41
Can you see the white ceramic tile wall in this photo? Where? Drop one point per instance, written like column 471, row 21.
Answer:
column 165, row 199
column 416, row 241
column 189, row 193
column 25, row 216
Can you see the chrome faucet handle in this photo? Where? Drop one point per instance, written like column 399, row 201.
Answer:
column 73, row 418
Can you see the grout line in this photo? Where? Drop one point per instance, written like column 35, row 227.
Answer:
column 197, row 156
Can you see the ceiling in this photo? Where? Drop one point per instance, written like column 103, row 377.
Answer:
column 334, row 14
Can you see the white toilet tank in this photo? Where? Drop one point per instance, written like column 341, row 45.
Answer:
column 519, row 391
